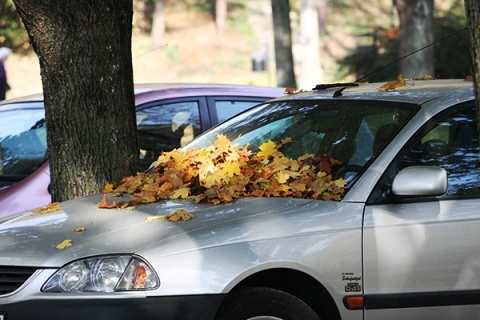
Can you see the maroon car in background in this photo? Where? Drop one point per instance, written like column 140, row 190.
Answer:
column 168, row 115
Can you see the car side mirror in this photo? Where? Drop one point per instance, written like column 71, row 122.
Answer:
column 420, row 181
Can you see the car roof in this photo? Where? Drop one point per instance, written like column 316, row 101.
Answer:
column 414, row 91
column 144, row 92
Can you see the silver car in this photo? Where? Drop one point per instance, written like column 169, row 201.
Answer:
column 402, row 243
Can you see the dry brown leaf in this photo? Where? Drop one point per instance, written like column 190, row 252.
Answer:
column 51, row 207
column 392, row 85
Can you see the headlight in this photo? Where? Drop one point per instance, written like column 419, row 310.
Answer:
column 103, row 274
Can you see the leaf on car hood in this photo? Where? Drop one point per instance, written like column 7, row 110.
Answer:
column 51, row 207
column 184, row 215
column 64, row 244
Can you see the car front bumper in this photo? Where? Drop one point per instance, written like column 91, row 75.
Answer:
column 198, row 307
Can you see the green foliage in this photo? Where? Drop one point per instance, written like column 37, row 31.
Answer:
column 12, row 31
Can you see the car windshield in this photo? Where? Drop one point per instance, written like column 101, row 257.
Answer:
column 353, row 132
column 23, row 141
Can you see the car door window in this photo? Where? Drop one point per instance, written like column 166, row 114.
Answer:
column 452, row 144
column 164, row 127
column 225, row 109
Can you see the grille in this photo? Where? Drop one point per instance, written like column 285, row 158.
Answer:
column 11, row 278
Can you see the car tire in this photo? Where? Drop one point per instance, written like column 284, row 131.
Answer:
column 260, row 303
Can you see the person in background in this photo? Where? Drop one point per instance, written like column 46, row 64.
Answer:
column 4, row 53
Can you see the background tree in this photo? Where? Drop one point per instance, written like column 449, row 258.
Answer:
column 472, row 8
column 220, row 17
column 283, row 44
column 416, row 31
column 84, row 49
column 312, row 73
column 158, row 23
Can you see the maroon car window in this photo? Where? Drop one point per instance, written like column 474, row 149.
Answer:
column 166, row 127
column 23, row 142
column 228, row 108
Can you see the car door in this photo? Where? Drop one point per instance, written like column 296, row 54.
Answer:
column 422, row 254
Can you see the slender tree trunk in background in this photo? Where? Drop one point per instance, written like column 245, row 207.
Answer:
column 158, row 25
column 312, row 73
column 84, row 49
column 322, row 7
column 220, row 17
column 472, row 8
column 283, row 44
column 416, row 31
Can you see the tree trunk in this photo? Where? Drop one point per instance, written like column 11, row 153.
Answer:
column 84, row 49
column 312, row 73
column 416, row 31
column 283, row 44
column 158, row 25
column 220, row 17
column 472, row 8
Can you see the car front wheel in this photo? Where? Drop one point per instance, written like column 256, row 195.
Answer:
column 260, row 303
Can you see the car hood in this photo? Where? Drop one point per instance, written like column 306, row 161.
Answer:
column 31, row 239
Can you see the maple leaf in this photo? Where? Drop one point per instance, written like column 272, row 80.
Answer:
column 51, row 207
column 425, row 77
column 231, row 168
column 181, row 193
column 267, row 149
column 104, row 203
column 108, row 188
column 82, row 229
column 64, row 244
column 392, row 85
column 184, row 215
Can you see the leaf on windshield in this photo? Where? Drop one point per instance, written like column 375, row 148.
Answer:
column 225, row 171
column 51, row 207
column 392, row 85
column 64, row 244
column 267, row 149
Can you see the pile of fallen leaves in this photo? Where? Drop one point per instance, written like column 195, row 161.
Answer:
column 224, row 172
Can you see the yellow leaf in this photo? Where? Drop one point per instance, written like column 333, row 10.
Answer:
column 231, row 168
column 154, row 218
column 80, row 229
column 267, row 149
column 282, row 177
column 51, row 207
column 340, row 183
column 108, row 188
column 65, row 244
column 181, row 193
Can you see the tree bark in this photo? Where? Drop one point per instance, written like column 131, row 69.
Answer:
column 84, row 49
column 472, row 8
column 416, row 32
column 283, row 44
